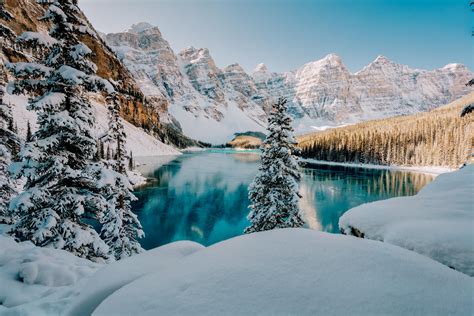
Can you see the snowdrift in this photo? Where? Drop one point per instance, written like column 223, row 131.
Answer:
column 109, row 279
column 38, row 281
column 438, row 222
column 297, row 272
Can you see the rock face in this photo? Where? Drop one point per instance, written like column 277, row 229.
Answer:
column 212, row 104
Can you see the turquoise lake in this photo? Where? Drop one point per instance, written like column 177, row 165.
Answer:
column 202, row 196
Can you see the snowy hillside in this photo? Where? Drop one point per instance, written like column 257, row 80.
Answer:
column 138, row 141
column 438, row 222
column 290, row 271
column 212, row 104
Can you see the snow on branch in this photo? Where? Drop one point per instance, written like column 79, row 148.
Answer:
column 28, row 70
column 36, row 38
column 54, row 12
column 48, row 100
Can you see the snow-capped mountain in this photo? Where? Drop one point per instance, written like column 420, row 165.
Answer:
column 211, row 104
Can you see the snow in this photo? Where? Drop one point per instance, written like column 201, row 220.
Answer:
column 25, row 68
column 38, row 281
column 279, row 272
column 438, row 222
column 21, row 115
column 40, row 38
column 296, row 272
column 432, row 170
column 43, row 281
column 114, row 276
column 138, row 141
column 209, row 130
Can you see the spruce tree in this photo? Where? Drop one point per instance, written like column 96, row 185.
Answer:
column 274, row 191
column 61, row 189
column 121, row 228
column 131, row 162
column 9, row 143
column 29, row 135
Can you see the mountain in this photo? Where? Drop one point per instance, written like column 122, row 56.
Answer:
column 211, row 104
column 440, row 137
column 19, row 16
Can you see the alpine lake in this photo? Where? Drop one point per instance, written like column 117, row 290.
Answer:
column 202, row 196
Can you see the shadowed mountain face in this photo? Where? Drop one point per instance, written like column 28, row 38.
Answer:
column 321, row 93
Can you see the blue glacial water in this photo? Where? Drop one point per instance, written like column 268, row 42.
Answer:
column 203, row 196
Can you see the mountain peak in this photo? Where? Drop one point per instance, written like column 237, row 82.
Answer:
column 454, row 67
column 382, row 60
column 235, row 67
column 332, row 58
column 140, row 27
column 261, row 68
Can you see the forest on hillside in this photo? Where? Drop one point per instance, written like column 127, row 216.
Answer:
column 441, row 137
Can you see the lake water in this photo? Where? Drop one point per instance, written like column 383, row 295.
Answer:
column 203, row 196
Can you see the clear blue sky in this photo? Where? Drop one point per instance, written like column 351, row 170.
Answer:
column 285, row 34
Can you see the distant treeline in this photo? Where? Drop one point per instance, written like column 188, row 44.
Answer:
column 437, row 138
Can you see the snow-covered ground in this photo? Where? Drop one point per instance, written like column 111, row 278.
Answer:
column 438, row 222
column 38, row 281
column 296, row 272
column 432, row 170
column 138, row 141
column 109, row 279
column 281, row 272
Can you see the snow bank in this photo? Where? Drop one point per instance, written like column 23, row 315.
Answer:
column 438, row 222
column 297, row 272
column 38, row 281
column 432, row 170
column 114, row 276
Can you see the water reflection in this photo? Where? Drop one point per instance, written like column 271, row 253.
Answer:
column 203, row 196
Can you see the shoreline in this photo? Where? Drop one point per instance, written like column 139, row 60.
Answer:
column 431, row 170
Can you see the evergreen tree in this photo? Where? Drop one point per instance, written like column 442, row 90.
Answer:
column 274, row 191
column 121, row 228
column 29, row 135
column 61, row 189
column 131, row 162
column 9, row 143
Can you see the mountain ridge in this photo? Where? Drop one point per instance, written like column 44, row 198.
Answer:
column 321, row 93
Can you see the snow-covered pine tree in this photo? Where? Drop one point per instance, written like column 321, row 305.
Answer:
column 121, row 228
column 61, row 190
column 9, row 143
column 274, row 192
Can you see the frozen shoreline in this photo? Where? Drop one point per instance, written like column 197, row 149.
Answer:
column 435, row 171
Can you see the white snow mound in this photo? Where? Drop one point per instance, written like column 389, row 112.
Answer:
column 297, row 272
column 112, row 277
column 38, row 281
column 438, row 222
